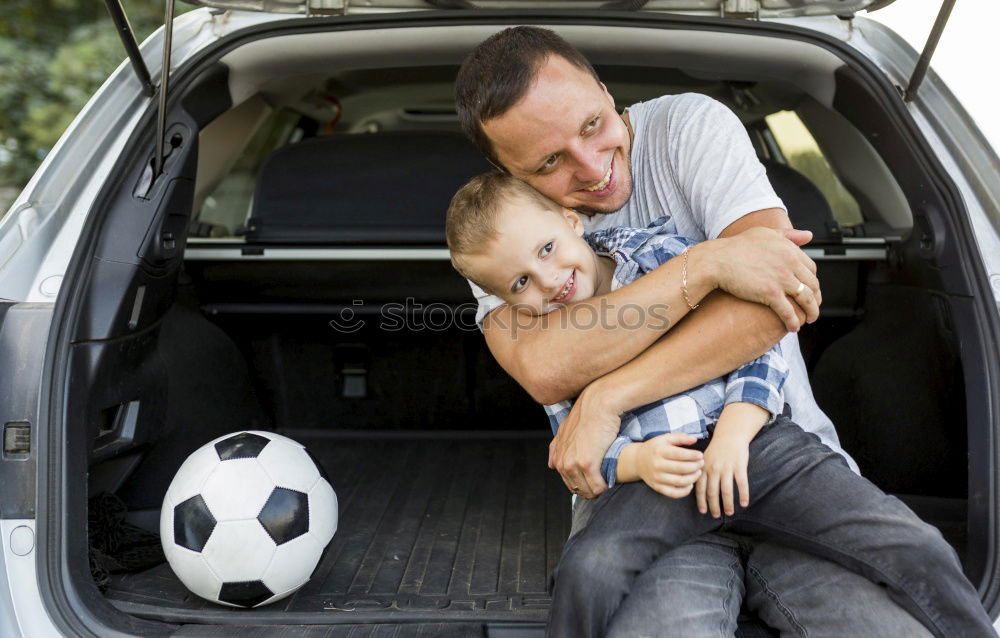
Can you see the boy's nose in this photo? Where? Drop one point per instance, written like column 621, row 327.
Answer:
column 551, row 282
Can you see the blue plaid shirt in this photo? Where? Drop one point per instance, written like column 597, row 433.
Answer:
column 637, row 251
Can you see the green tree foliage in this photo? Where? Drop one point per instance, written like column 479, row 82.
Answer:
column 54, row 54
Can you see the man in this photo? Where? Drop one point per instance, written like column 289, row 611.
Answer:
column 537, row 110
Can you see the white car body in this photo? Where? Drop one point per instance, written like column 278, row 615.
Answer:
column 40, row 233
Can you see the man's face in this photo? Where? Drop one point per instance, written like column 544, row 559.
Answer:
column 538, row 260
column 566, row 140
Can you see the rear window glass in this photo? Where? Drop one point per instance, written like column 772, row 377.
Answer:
column 225, row 210
column 802, row 153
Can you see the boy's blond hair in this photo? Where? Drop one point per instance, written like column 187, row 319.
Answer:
column 473, row 213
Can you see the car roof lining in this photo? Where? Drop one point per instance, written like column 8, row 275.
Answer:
column 706, row 55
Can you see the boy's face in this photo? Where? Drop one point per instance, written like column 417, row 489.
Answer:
column 538, row 260
column 566, row 140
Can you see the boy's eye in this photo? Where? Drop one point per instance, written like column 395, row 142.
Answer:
column 546, row 249
column 521, row 282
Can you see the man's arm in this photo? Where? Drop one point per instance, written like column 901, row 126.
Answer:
column 719, row 337
column 555, row 356
column 723, row 334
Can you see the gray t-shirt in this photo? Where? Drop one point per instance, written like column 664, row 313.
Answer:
column 692, row 159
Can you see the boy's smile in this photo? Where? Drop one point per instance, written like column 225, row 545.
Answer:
column 539, row 260
column 568, row 290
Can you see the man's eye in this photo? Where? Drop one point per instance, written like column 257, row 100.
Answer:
column 519, row 284
column 549, row 162
column 591, row 125
column 546, row 249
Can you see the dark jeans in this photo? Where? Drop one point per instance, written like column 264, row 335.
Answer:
column 696, row 591
column 803, row 495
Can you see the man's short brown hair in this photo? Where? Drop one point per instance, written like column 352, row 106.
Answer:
column 499, row 72
column 475, row 208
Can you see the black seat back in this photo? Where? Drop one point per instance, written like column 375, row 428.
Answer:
column 382, row 188
column 807, row 206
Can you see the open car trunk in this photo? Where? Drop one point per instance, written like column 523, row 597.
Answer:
column 439, row 460
column 450, row 521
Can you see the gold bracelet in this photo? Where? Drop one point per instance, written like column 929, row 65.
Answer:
column 684, row 281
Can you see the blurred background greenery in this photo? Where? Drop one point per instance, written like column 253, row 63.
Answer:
column 53, row 55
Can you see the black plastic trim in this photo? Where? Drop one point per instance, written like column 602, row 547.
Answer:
column 24, row 328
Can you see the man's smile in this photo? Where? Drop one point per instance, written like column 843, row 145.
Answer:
column 602, row 186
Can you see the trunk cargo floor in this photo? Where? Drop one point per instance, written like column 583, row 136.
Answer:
column 431, row 527
column 434, row 527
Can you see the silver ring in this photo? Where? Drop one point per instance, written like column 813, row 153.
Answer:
column 801, row 287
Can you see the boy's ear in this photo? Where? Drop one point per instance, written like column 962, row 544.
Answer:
column 574, row 220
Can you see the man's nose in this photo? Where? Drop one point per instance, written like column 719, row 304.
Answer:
column 589, row 165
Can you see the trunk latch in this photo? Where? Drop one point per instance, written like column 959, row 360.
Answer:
column 352, row 360
column 16, row 440
column 739, row 9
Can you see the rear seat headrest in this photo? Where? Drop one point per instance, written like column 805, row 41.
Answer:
column 381, row 188
column 807, row 207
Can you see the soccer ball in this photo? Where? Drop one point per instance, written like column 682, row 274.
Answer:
column 246, row 519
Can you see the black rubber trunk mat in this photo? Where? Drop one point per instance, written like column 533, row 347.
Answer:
column 430, row 529
column 433, row 529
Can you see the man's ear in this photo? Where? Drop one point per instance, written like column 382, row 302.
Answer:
column 574, row 221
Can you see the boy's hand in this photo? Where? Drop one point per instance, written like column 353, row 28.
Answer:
column 665, row 466
column 726, row 461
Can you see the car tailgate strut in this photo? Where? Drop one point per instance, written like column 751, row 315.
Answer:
column 139, row 65
column 925, row 56
column 127, row 36
column 161, row 114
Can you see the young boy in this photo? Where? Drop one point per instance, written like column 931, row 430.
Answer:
column 735, row 408
column 532, row 253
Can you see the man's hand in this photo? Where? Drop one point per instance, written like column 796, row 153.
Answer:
column 767, row 267
column 583, row 437
column 664, row 465
column 726, row 461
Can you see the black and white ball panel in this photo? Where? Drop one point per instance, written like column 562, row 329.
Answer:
column 237, row 489
column 289, row 465
column 238, row 551
column 247, row 594
column 323, row 512
column 193, row 523
column 305, row 550
column 245, row 445
column 285, row 515
column 192, row 474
